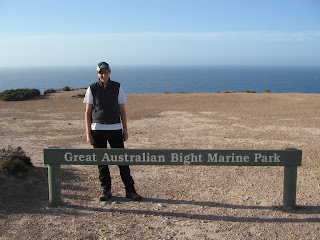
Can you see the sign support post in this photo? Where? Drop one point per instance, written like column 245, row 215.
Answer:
column 289, row 187
column 54, row 182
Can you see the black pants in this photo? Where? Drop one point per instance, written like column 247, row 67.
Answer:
column 115, row 139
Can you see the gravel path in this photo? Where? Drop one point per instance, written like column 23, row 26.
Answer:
column 180, row 202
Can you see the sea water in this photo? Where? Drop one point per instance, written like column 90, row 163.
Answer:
column 174, row 79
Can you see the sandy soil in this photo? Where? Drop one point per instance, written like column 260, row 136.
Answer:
column 180, row 202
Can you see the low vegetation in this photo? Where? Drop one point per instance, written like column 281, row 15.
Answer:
column 247, row 91
column 66, row 88
column 19, row 94
column 14, row 160
column 50, row 90
column 228, row 91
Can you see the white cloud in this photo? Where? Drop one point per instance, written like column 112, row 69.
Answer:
column 267, row 36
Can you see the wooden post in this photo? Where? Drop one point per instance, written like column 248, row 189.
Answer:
column 289, row 187
column 54, row 182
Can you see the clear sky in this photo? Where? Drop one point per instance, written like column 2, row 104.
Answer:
column 166, row 32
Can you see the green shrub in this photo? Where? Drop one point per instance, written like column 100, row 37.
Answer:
column 267, row 91
column 19, row 94
column 228, row 92
column 66, row 88
column 247, row 91
column 14, row 160
column 15, row 165
column 50, row 90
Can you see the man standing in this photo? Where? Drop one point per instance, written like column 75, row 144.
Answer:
column 106, row 121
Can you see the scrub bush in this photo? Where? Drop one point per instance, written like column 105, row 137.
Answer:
column 50, row 90
column 66, row 88
column 247, row 91
column 228, row 91
column 19, row 94
column 14, row 160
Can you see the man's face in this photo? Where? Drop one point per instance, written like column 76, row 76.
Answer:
column 104, row 75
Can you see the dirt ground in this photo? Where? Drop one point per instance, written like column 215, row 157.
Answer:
column 180, row 202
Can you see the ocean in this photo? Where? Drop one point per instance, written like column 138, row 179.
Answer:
column 173, row 79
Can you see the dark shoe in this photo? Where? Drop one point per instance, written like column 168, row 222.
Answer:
column 133, row 196
column 106, row 195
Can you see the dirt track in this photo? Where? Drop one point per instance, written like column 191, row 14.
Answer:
column 180, row 202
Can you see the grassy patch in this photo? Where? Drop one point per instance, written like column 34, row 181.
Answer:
column 247, row 91
column 14, row 160
column 19, row 94
column 50, row 90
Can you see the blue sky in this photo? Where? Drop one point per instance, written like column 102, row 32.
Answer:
column 167, row 32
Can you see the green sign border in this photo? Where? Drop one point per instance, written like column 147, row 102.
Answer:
column 187, row 157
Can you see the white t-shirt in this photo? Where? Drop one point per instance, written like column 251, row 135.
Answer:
column 88, row 99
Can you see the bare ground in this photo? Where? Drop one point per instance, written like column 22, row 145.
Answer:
column 180, row 202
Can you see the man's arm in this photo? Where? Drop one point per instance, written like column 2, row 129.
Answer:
column 88, row 123
column 123, row 115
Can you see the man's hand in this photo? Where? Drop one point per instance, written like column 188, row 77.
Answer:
column 90, row 139
column 125, row 136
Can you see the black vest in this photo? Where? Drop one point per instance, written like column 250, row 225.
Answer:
column 105, row 109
